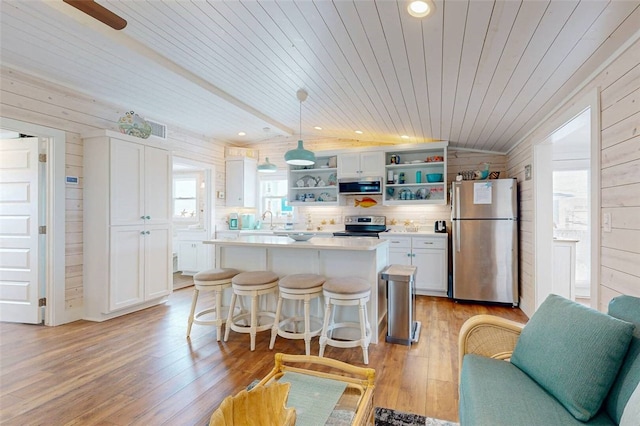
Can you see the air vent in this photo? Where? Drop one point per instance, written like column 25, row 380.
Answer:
column 158, row 129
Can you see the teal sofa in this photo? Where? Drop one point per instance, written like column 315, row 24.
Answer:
column 569, row 365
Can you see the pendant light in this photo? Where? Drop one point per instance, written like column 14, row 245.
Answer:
column 300, row 156
column 267, row 167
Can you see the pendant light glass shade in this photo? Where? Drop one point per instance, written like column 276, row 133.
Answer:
column 267, row 167
column 300, row 156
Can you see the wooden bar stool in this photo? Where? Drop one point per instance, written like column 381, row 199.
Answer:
column 210, row 280
column 346, row 291
column 299, row 287
column 253, row 284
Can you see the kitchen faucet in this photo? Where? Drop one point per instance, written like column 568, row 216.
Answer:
column 270, row 217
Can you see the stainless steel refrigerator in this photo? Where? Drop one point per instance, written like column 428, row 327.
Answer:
column 484, row 221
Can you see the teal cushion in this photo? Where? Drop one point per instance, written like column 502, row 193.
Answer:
column 497, row 393
column 573, row 352
column 626, row 308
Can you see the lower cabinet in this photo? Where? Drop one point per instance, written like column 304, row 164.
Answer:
column 141, row 264
column 193, row 257
column 428, row 254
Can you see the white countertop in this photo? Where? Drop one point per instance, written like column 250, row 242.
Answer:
column 394, row 233
column 315, row 243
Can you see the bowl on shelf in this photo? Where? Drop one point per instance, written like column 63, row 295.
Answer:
column 434, row 177
column 301, row 236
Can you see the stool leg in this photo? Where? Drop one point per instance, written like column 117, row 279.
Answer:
column 254, row 321
column 219, row 319
column 194, row 301
column 325, row 326
column 307, row 326
column 232, row 306
column 363, row 332
column 276, row 323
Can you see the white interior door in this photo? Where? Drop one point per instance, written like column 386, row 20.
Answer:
column 19, row 231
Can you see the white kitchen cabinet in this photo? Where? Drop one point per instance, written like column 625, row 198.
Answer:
column 139, row 265
column 128, row 259
column 428, row 254
column 241, row 180
column 361, row 164
column 564, row 268
column 193, row 255
column 139, row 183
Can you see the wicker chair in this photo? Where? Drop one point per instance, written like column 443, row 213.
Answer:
column 489, row 336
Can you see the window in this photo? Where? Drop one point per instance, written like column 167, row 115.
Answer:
column 273, row 195
column 185, row 197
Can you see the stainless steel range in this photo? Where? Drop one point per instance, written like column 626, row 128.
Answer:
column 363, row 226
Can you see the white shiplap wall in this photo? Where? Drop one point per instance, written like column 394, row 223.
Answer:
column 32, row 100
column 619, row 88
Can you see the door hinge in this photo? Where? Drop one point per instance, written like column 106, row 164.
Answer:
column 42, row 302
column 42, row 229
column 42, row 158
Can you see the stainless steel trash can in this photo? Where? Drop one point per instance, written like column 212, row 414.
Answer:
column 401, row 302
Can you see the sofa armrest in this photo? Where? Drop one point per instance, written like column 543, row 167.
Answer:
column 489, row 336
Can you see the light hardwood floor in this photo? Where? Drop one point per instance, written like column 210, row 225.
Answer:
column 141, row 369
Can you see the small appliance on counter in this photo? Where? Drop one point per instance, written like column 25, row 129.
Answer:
column 247, row 221
column 440, row 227
column 233, row 221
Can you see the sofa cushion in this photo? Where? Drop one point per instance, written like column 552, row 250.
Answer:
column 496, row 393
column 626, row 308
column 573, row 352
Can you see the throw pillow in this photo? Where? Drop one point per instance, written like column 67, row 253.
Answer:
column 631, row 413
column 573, row 352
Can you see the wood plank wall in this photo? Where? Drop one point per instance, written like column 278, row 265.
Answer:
column 619, row 89
column 33, row 100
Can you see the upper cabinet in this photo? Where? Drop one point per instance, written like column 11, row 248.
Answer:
column 139, row 182
column 241, row 179
column 314, row 184
column 361, row 164
column 416, row 174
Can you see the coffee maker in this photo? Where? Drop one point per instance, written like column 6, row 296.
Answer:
column 440, row 226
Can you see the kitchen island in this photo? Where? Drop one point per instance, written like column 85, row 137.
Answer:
column 330, row 257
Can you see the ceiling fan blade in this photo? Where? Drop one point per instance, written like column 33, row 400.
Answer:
column 98, row 12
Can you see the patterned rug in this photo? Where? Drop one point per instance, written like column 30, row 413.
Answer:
column 388, row 417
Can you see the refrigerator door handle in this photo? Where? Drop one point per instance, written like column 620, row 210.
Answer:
column 456, row 191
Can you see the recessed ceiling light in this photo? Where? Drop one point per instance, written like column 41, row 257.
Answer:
column 317, row 127
column 404, row 137
column 241, row 133
column 359, row 132
column 420, row 8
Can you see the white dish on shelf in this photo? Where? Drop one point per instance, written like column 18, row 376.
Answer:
column 417, row 162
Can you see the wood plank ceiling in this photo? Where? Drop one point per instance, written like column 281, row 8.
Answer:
column 478, row 73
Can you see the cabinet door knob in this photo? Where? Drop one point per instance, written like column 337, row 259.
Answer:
column 141, row 232
column 142, row 217
column 147, row 217
column 147, row 232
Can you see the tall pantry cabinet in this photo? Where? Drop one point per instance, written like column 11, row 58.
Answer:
column 127, row 224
